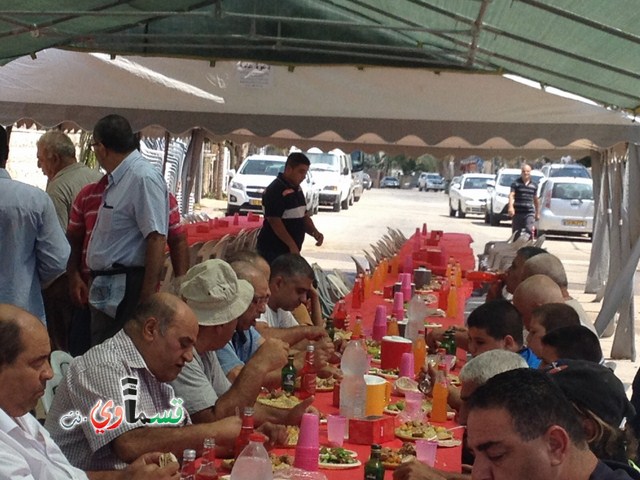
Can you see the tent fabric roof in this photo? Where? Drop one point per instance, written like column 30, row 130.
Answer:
column 587, row 47
column 389, row 109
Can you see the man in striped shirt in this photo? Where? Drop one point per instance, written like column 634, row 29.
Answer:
column 524, row 207
column 285, row 212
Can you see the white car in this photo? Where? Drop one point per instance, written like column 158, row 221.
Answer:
column 254, row 175
column 468, row 194
column 499, row 190
column 566, row 206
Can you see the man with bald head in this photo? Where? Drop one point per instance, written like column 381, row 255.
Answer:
column 551, row 266
column 135, row 365
column 26, row 449
column 533, row 292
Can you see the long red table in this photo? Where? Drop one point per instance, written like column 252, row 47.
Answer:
column 216, row 228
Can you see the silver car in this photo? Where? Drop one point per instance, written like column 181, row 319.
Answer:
column 566, row 206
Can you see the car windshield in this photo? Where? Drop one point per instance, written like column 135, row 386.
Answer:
column 572, row 191
column 324, row 162
column 262, row 167
column 475, row 183
column 508, row 178
column 579, row 172
column 434, row 177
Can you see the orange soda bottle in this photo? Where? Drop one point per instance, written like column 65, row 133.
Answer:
column 440, row 395
column 392, row 326
column 419, row 351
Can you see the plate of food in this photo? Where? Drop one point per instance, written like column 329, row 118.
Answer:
column 278, row 462
column 389, row 374
column 392, row 457
column 432, row 325
column 397, row 407
column 373, row 349
column 337, row 458
column 325, row 384
column 340, row 334
column 425, row 431
column 279, row 399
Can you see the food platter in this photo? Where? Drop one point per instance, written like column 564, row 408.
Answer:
column 415, row 430
column 392, row 457
column 391, row 374
column 337, row 458
column 279, row 400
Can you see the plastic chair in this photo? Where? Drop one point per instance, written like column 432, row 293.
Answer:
column 220, row 248
column 60, row 362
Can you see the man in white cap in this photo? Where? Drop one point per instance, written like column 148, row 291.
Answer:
column 219, row 298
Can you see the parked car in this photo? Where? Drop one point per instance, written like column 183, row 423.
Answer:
column 498, row 200
column 566, row 206
column 332, row 173
column 430, row 181
column 366, row 181
column 254, row 175
column 468, row 195
column 565, row 170
column 389, row 182
column 447, row 184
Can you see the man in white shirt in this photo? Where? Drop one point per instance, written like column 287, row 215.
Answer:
column 26, row 449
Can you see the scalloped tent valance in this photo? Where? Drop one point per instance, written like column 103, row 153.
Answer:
column 374, row 108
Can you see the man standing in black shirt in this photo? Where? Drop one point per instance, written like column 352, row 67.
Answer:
column 524, row 207
column 285, row 212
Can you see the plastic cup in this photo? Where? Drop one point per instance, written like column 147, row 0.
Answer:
column 398, row 305
column 336, row 430
column 426, row 451
column 309, row 431
column 406, row 365
column 380, row 323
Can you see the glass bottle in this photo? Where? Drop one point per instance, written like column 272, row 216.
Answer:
column 188, row 469
column 308, row 375
column 373, row 469
column 357, row 328
column 207, row 470
column 245, row 431
column 356, row 294
column 392, row 326
column 339, row 314
column 289, row 376
column 440, row 395
column 419, row 351
column 331, row 331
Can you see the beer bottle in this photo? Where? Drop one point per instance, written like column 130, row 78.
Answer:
column 289, row 376
column 373, row 469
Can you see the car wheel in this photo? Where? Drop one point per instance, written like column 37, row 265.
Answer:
column 461, row 212
column 316, row 209
column 351, row 200
column 452, row 211
column 337, row 206
column 487, row 218
column 494, row 220
column 345, row 204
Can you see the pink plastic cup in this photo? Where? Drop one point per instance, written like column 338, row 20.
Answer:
column 407, row 365
column 426, row 451
column 336, row 430
column 309, row 431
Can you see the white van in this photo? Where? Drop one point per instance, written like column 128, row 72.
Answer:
column 332, row 174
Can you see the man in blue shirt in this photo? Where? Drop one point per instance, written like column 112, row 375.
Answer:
column 126, row 250
column 34, row 248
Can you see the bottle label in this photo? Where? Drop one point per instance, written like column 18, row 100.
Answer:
column 289, row 382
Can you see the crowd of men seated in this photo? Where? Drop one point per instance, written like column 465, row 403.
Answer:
column 167, row 371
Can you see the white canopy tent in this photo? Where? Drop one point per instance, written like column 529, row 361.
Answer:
column 414, row 111
column 373, row 109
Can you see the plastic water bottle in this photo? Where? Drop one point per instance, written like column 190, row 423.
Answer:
column 253, row 462
column 353, row 388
